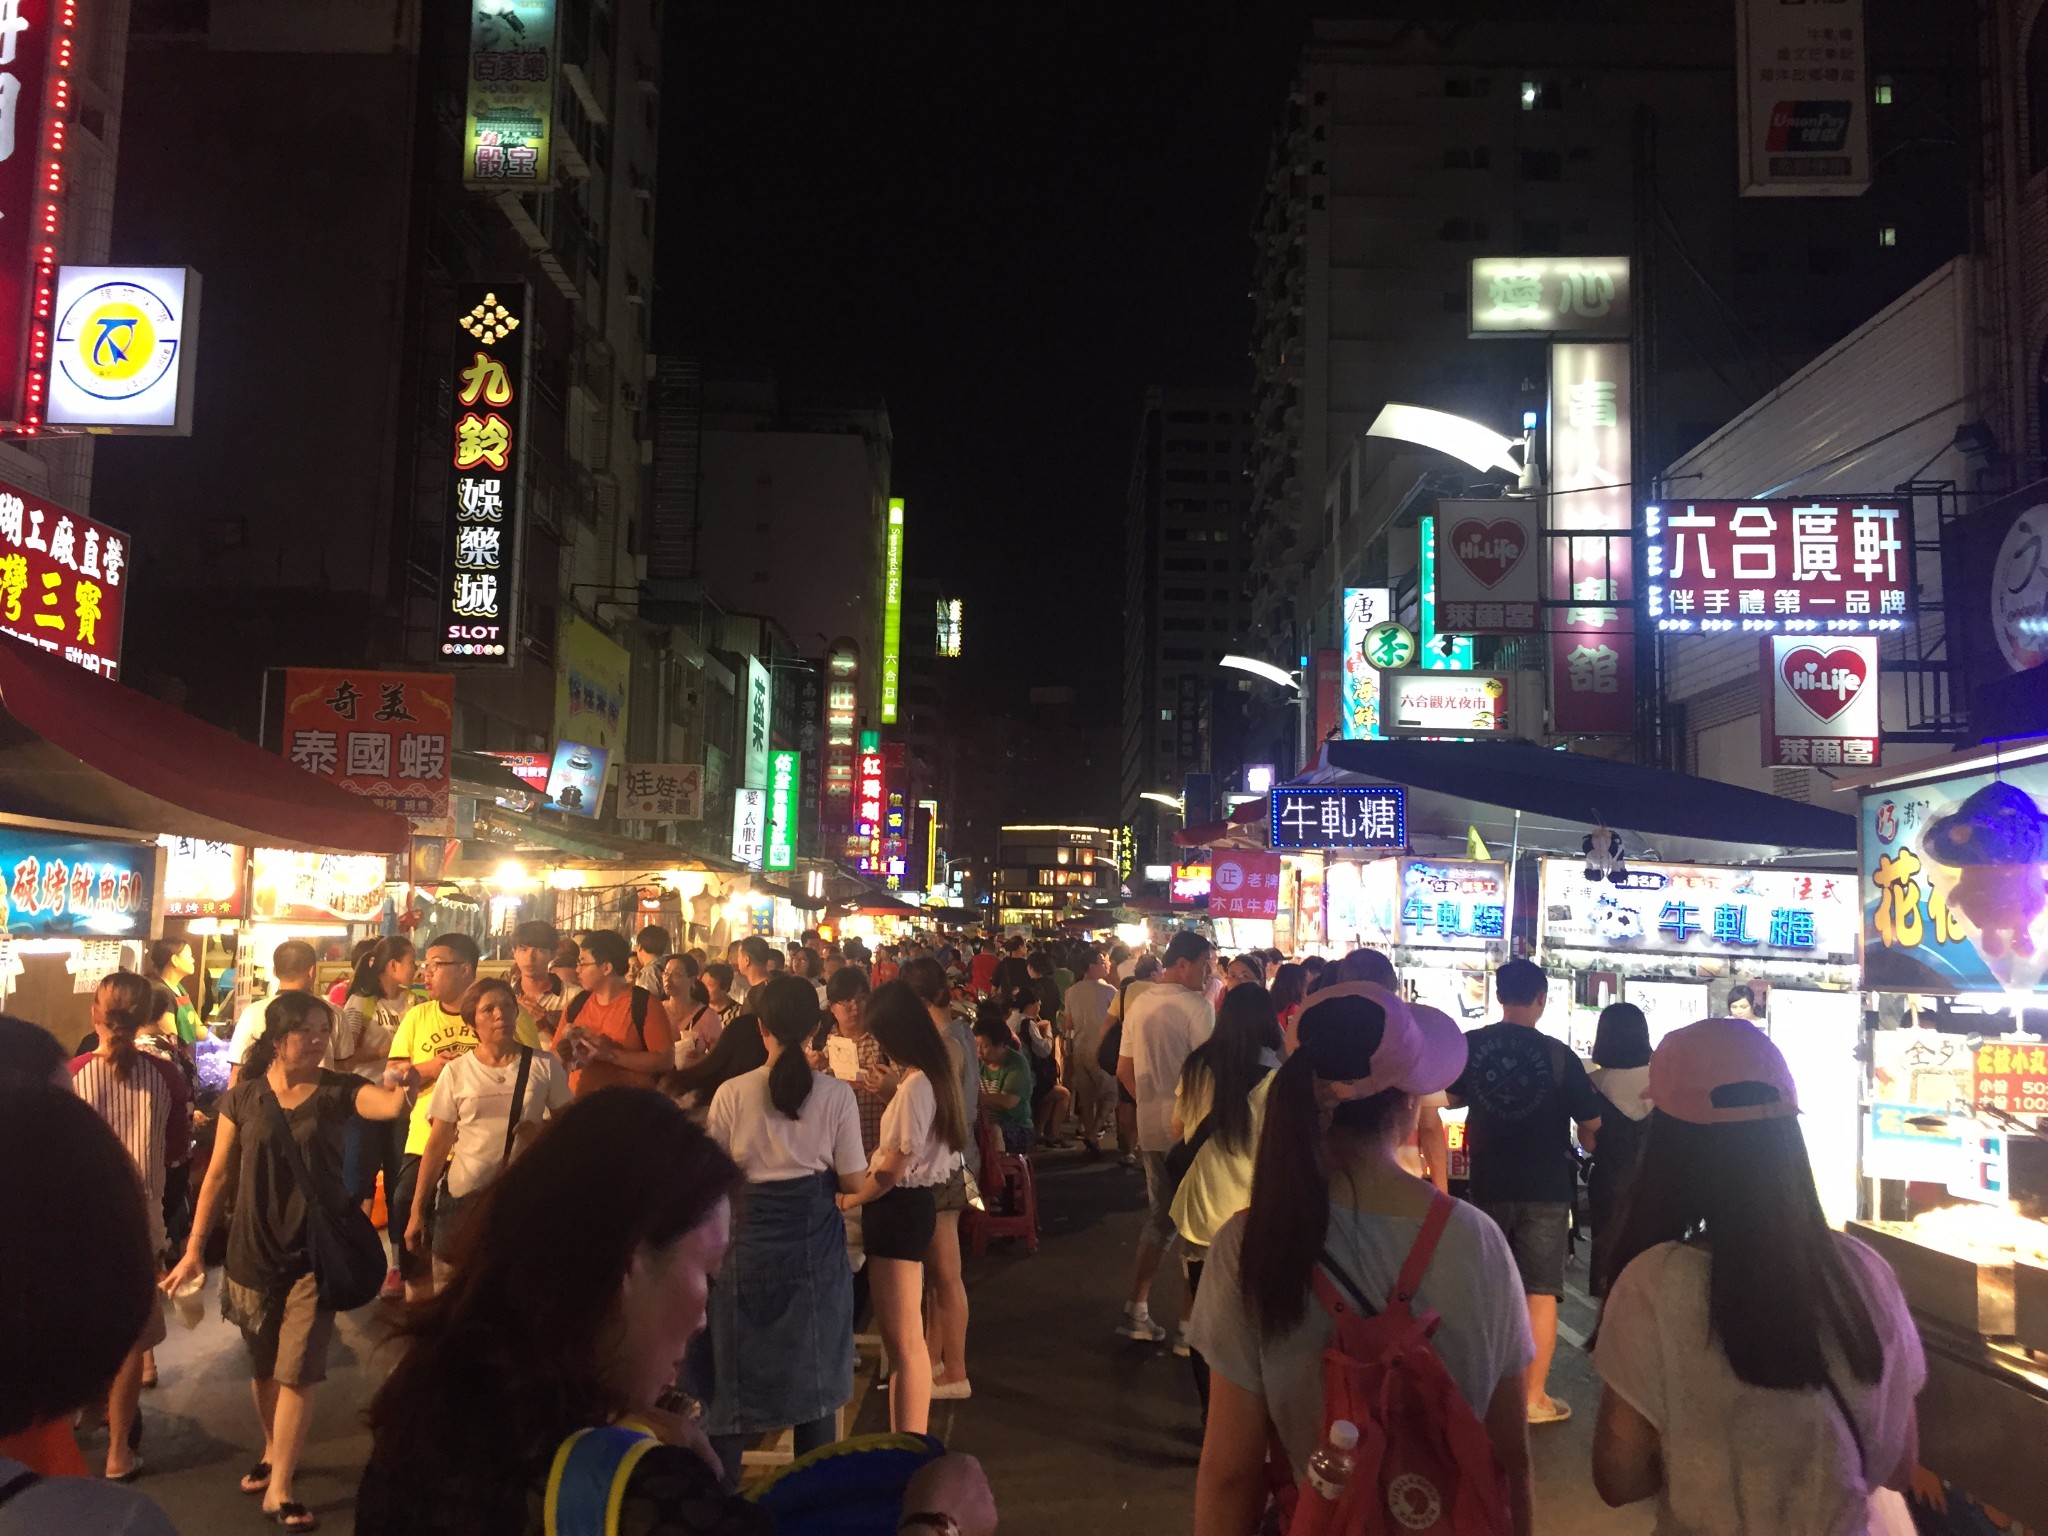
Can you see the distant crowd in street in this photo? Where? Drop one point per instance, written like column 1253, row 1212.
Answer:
column 637, row 1197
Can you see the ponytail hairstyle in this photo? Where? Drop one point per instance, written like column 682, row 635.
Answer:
column 788, row 1008
column 1233, row 1060
column 903, row 1027
column 371, row 964
column 288, row 1013
column 127, row 1004
column 1288, row 1223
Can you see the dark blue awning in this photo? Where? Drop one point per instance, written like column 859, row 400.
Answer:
column 1570, row 789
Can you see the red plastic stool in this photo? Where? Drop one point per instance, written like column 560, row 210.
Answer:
column 1006, row 1183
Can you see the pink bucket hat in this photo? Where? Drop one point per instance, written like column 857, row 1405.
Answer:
column 1720, row 1072
column 1420, row 1051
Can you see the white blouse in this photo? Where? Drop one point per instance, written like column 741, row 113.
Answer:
column 910, row 1125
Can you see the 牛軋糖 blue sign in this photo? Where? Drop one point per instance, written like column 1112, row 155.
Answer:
column 68, row 887
column 1362, row 816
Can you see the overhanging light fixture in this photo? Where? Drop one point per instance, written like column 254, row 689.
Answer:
column 1160, row 797
column 1265, row 669
column 1481, row 447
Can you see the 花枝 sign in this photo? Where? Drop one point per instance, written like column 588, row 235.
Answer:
column 1488, row 566
column 661, row 792
column 381, row 735
column 70, row 887
column 1453, row 904
column 1353, row 816
column 63, row 581
column 1702, row 910
column 1244, row 884
column 1550, row 296
column 1715, row 567
column 1820, row 700
column 1419, row 703
column 480, row 547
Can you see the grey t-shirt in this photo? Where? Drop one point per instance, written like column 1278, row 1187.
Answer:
column 960, row 1042
column 1471, row 1283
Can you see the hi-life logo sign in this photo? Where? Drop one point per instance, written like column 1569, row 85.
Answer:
column 1820, row 701
column 1488, row 580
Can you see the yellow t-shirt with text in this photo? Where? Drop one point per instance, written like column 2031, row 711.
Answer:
column 424, row 1033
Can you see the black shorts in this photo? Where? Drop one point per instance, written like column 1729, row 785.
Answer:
column 1537, row 1232
column 900, row 1224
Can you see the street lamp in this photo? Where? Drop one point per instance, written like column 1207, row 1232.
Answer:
column 1480, row 446
column 1162, row 798
column 1286, row 679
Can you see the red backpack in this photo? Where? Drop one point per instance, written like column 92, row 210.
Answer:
column 1424, row 1463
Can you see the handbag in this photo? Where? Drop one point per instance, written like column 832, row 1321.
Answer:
column 1112, row 1045
column 346, row 1253
column 1180, row 1157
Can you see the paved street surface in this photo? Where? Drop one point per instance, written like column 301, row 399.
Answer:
column 1082, row 1432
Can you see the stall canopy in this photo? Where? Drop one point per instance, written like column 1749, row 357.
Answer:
column 1455, row 785
column 77, row 748
column 1239, row 827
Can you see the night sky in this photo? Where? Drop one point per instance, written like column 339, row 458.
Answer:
column 1010, row 222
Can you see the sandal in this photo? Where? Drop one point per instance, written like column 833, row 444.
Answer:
column 134, row 1471
column 293, row 1516
column 1553, row 1411
column 256, row 1479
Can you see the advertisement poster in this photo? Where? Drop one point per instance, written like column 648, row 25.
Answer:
column 528, row 767
column 1668, row 1005
column 287, row 886
column 1582, row 296
column 576, row 778
column 1718, row 566
column 70, row 887
column 1701, row 910
column 203, row 878
column 121, row 360
column 1800, row 99
column 1955, row 883
column 1592, row 646
column 1362, row 903
column 1243, row 884
column 1488, row 566
column 1819, row 700
column 381, row 735
column 1418, row 703
column 749, row 826
column 592, row 676
column 63, row 581
column 1360, row 816
column 1365, row 609
column 661, row 791
column 487, row 452
column 508, row 119
column 1451, row 904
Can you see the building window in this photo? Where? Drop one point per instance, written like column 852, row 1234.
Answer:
column 1881, row 93
column 1827, row 260
column 1541, row 236
column 1888, row 235
column 1542, row 96
column 1463, row 229
column 1166, row 714
column 1542, row 165
column 1476, row 158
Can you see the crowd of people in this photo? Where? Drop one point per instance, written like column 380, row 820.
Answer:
column 806, row 1127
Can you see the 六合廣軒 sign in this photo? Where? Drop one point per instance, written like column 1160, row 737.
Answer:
column 1839, row 566
column 1365, row 608
column 203, row 878
column 661, row 792
column 481, row 546
column 73, row 887
column 1488, row 565
column 122, row 358
column 1801, row 98
column 749, row 826
column 1419, row 703
column 38, row 47
column 1761, row 914
column 576, row 778
column 892, row 613
column 1453, row 904
column 381, row 735
column 509, row 114
column 63, row 581
column 1820, row 701
column 784, row 777
column 1354, row 816
column 1243, row 884
column 1550, row 296
column 288, row 886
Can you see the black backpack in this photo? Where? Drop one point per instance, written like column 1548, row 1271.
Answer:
column 642, row 1001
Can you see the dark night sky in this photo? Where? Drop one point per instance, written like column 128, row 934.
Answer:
column 1008, row 221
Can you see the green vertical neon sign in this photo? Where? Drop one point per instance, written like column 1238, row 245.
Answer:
column 783, row 776
column 1440, row 653
column 892, row 613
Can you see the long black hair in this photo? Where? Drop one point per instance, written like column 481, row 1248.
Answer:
column 1247, row 1025
column 900, row 1022
column 127, row 1005
column 738, row 1050
column 285, row 1014
column 1623, row 1038
column 788, row 1008
column 1289, row 1219
column 1780, row 1288
column 368, row 978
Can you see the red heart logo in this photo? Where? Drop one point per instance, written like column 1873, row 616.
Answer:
column 1825, row 682
column 1489, row 550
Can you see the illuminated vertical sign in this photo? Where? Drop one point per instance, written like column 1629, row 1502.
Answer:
column 37, row 46
column 749, row 826
column 928, row 828
column 487, row 447
column 1364, row 608
column 784, row 777
column 842, row 718
column 892, row 613
column 760, row 698
column 949, row 627
column 508, row 121
column 895, row 814
column 1592, row 643
column 1440, row 653
column 866, row 832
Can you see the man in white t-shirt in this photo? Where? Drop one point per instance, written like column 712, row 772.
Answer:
column 1162, row 1027
column 291, row 966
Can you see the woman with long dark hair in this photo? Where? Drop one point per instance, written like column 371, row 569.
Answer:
column 924, row 1131
column 737, row 1052
column 1621, row 1076
column 1290, row 986
column 1329, row 1193
column 945, row 1295
column 780, row 1340
column 379, row 992
column 556, row 1343
column 1759, row 1368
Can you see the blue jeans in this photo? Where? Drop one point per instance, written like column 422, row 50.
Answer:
column 804, row 1439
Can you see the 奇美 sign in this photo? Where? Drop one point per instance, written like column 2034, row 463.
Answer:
column 72, row 887
column 1760, row 914
column 481, row 545
column 381, row 735
column 749, row 826
column 1244, row 884
column 1422, row 703
column 1801, row 99
column 661, row 792
column 1954, row 895
column 1353, row 816
column 1550, row 296
column 1488, row 566
column 122, row 359
column 203, row 878
column 1820, row 700
column 63, row 581
column 1453, row 904
column 509, row 114
column 784, row 777
column 1797, row 566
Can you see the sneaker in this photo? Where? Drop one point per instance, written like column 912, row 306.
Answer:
column 393, row 1288
column 1553, row 1411
column 1181, row 1347
column 1130, row 1159
column 1140, row 1327
column 952, row 1391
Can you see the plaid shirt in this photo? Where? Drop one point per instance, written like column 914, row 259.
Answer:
column 871, row 1104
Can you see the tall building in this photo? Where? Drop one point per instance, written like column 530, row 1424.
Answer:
column 312, row 513
column 1186, row 565
column 1407, row 149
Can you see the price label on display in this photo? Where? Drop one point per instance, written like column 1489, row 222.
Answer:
column 2012, row 1075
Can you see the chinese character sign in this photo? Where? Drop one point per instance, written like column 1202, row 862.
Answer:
column 1819, row 701
column 382, row 735
column 661, row 791
column 1244, row 884
column 784, row 775
column 37, row 44
column 1800, row 99
column 1550, row 296
column 1422, row 703
column 1365, row 609
column 749, row 826
column 1488, row 566
column 59, row 887
column 63, row 577
column 487, row 431
column 1450, row 904
column 1591, row 554
column 1372, row 816
column 1699, row 909
column 1192, row 883
column 287, row 886
column 593, row 674
column 509, row 117
column 2012, row 1075
column 892, row 613
column 1954, row 896
column 759, row 707
column 1793, row 566
column 203, row 878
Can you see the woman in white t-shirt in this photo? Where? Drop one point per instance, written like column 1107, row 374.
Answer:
column 924, row 1130
column 378, row 994
column 1760, row 1369
column 778, row 1349
column 1329, row 1191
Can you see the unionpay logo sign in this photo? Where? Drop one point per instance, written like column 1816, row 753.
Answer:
column 120, row 360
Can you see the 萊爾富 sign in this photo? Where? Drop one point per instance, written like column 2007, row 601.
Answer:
column 1488, row 566
column 1820, row 701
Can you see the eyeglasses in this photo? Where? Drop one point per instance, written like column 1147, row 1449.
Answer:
column 444, row 965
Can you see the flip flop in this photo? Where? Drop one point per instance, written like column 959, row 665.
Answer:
column 256, row 1479
column 293, row 1516
column 129, row 1476
column 1553, row 1411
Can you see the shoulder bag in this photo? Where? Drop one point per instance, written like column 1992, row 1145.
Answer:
column 346, row 1253
column 450, row 1209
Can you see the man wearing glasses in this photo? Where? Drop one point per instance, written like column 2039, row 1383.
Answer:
column 431, row 1035
column 613, row 1032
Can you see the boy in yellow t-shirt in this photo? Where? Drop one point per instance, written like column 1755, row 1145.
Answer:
column 431, row 1035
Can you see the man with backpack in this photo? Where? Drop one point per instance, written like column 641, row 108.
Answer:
column 1523, row 1090
column 613, row 1033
